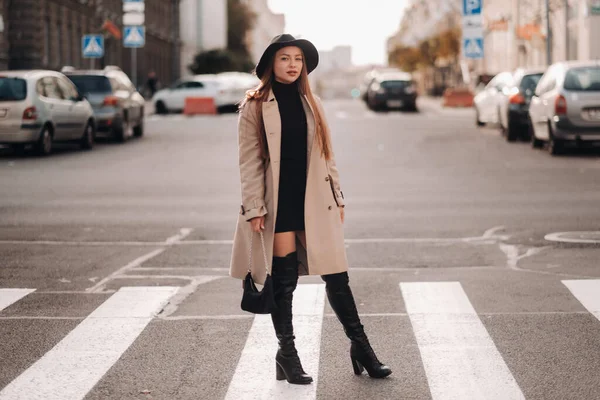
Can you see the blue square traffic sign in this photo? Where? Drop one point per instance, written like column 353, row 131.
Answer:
column 472, row 7
column 134, row 36
column 92, row 46
column 473, row 47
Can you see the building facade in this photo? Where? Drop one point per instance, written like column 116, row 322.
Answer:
column 515, row 33
column 267, row 25
column 203, row 27
column 48, row 34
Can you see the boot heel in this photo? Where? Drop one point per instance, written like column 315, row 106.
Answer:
column 279, row 373
column 358, row 368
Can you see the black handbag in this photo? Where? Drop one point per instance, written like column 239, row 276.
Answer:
column 253, row 300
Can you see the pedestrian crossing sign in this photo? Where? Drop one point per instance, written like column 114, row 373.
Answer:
column 134, row 36
column 92, row 46
column 473, row 47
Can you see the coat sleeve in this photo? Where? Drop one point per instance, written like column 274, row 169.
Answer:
column 252, row 164
column 331, row 165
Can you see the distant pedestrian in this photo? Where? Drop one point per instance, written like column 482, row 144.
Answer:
column 152, row 83
column 291, row 194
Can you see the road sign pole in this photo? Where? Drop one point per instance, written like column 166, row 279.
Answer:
column 134, row 66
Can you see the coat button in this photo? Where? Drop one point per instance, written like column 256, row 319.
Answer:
column 327, row 179
column 329, row 208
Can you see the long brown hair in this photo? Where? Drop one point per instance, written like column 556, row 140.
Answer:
column 261, row 93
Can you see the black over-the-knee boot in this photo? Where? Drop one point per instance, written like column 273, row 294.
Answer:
column 285, row 280
column 342, row 301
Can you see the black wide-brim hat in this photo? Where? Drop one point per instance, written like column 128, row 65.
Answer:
column 311, row 55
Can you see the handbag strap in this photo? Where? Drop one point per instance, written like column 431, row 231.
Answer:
column 262, row 241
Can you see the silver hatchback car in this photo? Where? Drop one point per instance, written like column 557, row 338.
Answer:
column 565, row 110
column 41, row 107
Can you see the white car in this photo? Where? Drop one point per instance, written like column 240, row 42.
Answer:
column 41, row 107
column 227, row 89
column 565, row 110
column 487, row 102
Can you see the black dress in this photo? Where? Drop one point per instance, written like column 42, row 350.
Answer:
column 292, row 176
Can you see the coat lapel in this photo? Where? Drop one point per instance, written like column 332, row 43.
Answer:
column 272, row 122
column 310, row 136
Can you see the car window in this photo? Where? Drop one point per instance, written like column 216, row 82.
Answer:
column 12, row 89
column 181, row 85
column 67, row 89
column 399, row 84
column 49, row 88
column 529, row 82
column 585, row 79
column 195, row 85
column 91, row 83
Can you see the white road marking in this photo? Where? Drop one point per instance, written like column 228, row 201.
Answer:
column 10, row 296
column 592, row 237
column 513, row 257
column 254, row 376
column 72, row 368
column 460, row 359
column 135, row 263
column 587, row 291
column 177, row 240
column 183, row 233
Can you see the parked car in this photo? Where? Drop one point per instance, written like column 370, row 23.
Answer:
column 565, row 109
column 227, row 89
column 118, row 106
column 42, row 107
column 514, row 104
column 368, row 79
column 487, row 102
column 392, row 90
column 235, row 86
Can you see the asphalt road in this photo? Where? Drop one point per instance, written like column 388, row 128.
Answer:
column 113, row 267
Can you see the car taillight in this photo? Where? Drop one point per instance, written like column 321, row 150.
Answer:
column 517, row 99
column 560, row 106
column 111, row 101
column 30, row 114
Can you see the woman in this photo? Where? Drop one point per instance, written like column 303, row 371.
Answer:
column 291, row 192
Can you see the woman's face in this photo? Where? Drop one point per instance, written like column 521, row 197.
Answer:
column 288, row 64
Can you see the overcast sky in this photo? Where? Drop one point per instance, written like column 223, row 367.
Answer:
column 363, row 24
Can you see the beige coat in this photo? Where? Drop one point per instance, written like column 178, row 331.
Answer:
column 321, row 249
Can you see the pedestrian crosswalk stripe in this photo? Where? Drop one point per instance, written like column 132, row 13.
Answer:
column 587, row 291
column 72, row 368
column 460, row 359
column 10, row 296
column 254, row 376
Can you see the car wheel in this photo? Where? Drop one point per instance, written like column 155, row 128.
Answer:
column 43, row 146
column 477, row 120
column 512, row 131
column 555, row 147
column 138, row 131
column 535, row 142
column 87, row 140
column 161, row 108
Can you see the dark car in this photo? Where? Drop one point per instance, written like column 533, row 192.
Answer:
column 392, row 91
column 118, row 106
column 514, row 106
